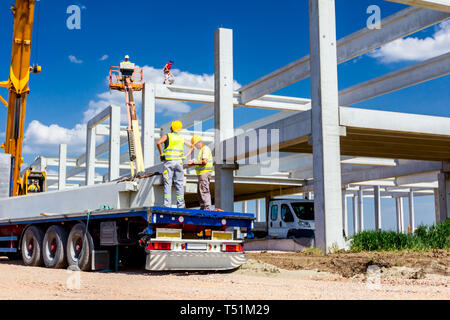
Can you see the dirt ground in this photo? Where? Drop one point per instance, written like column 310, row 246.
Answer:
column 351, row 264
column 267, row 275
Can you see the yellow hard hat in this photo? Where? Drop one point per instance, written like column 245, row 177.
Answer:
column 177, row 126
column 196, row 139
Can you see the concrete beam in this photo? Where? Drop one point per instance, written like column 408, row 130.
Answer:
column 325, row 126
column 388, row 172
column 440, row 5
column 398, row 25
column 396, row 80
column 394, row 121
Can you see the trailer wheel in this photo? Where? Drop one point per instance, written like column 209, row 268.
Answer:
column 79, row 247
column 32, row 247
column 54, row 247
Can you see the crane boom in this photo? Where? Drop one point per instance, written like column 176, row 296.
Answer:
column 17, row 84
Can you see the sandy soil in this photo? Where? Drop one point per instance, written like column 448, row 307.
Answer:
column 255, row 280
column 350, row 264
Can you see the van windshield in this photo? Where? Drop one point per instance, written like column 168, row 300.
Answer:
column 303, row 211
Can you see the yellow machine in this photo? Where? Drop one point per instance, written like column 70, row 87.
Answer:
column 17, row 84
column 33, row 182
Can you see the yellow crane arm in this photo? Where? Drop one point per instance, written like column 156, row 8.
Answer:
column 17, row 84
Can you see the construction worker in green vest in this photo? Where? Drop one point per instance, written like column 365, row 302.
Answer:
column 204, row 167
column 172, row 157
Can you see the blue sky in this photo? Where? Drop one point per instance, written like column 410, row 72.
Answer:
column 267, row 35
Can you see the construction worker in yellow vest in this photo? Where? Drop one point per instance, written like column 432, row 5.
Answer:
column 34, row 187
column 204, row 167
column 172, row 157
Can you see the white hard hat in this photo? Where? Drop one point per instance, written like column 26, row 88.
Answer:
column 127, row 57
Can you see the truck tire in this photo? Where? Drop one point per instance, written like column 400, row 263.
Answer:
column 32, row 247
column 79, row 247
column 54, row 247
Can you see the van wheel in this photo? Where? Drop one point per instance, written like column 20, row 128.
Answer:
column 54, row 247
column 32, row 247
column 79, row 247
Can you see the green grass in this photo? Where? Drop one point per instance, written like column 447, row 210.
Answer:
column 423, row 238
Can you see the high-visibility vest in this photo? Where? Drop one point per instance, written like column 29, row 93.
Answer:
column 33, row 188
column 208, row 167
column 174, row 149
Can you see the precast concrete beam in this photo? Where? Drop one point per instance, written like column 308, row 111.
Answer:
column 440, row 5
column 396, row 80
column 398, row 25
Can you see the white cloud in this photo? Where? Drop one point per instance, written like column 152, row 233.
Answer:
column 104, row 57
column 74, row 59
column 415, row 49
column 42, row 139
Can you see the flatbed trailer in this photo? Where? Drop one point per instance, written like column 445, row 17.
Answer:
column 169, row 238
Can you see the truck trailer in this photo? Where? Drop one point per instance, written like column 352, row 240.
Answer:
column 94, row 227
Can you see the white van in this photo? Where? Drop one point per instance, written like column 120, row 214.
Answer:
column 291, row 218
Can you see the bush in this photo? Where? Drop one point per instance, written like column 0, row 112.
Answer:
column 432, row 237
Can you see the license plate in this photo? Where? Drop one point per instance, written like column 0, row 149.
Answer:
column 196, row 246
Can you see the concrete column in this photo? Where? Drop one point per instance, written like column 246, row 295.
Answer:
column 62, row 166
column 444, row 197
column 258, row 210
column 325, row 125
column 355, row 214
column 377, row 207
column 244, row 206
column 436, row 206
column 412, row 223
column 399, row 211
column 90, row 156
column 148, row 124
column 344, row 212
column 223, row 116
column 114, row 144
column 361, row 209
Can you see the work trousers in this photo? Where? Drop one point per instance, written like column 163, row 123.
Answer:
column 173, row 172
column 168, row 78
column 203, row 193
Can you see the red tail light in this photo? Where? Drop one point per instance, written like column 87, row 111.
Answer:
column 159, row 246
column 232, row 248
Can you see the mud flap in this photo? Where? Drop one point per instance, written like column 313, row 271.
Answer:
column 198, row 261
